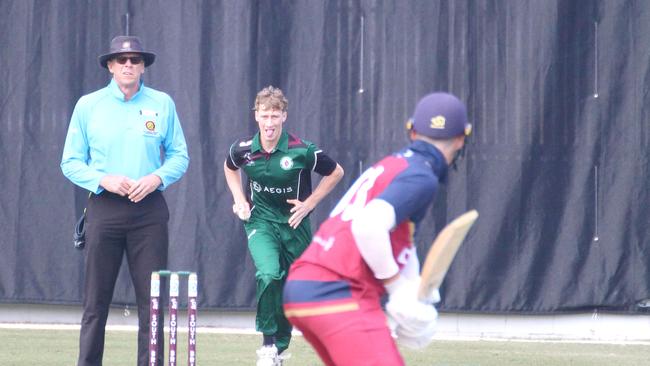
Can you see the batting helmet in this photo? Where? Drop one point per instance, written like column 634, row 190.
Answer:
column 440, row 116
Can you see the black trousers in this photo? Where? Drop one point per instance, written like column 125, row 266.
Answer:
column 115, row 226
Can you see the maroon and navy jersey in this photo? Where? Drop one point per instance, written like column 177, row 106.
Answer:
column 408, row 180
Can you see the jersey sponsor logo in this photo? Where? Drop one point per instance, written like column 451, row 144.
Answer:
column 248, row 160
column 278, row 190
column 405, row 254
column 286, row 163
column 274, row 190
column 326, row 244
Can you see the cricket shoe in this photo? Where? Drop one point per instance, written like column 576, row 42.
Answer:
column 268, row 356
column 283, row 356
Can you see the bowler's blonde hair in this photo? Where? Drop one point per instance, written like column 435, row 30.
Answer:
column 271, row 98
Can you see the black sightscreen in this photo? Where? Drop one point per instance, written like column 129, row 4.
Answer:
column 557, row 167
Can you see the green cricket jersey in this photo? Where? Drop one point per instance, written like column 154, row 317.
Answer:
column 282, row 174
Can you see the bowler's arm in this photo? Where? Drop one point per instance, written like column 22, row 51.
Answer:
column 234, row 181
column 301, row 209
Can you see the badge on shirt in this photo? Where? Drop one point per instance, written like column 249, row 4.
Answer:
column 149, row 122
column 286, row 163
column 150, row 128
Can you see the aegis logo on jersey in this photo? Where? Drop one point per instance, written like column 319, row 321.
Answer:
column 275, row 190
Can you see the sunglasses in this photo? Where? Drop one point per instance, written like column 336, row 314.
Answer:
column 135, row 60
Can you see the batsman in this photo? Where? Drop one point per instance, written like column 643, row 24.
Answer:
column 276, row 214
column 365, row 249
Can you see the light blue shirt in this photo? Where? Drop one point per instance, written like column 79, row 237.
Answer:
column 133, row 138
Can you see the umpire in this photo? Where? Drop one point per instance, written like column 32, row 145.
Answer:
column 125, row 145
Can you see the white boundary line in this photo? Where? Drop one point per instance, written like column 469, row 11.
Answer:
column 222, row 330
column 121, row 328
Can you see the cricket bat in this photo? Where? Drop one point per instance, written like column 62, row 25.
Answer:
column 442, row 252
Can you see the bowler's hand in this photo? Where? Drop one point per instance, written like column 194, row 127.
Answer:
column 242, row 210
column 143, row 186
column 299, row 211
column 117, row 184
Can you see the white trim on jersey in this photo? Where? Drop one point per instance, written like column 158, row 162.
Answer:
column 298, row 188
column 316, row 159
column 232, row 158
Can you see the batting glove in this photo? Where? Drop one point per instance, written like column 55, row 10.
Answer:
column 421, row 340
column 412, row 321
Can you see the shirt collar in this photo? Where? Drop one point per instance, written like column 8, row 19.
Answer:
column 117, row 93
column 433, row 156
column 283, row 143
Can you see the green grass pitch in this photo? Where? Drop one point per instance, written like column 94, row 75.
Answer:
column 23, row 347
